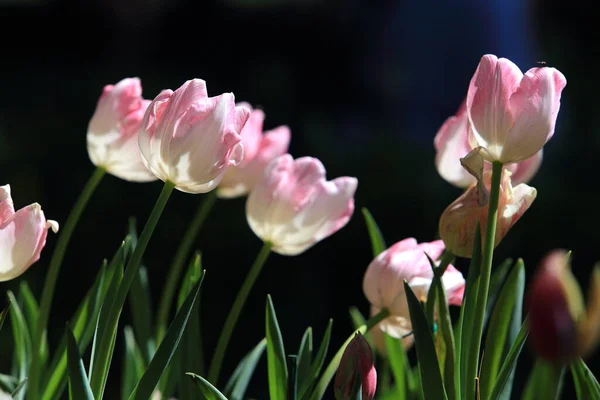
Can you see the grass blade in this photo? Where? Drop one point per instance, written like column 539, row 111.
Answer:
column 134, row 364
column 244, row 371
column 79, row 387
column 209, row 392
column 317, row 364
column 377, row 241
column 276, row 359
column 304, row 357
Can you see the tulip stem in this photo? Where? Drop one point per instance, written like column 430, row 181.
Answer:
column 484, row 282
column 179, row 261
column 234, row 313
column 332, row 367
column 52, row 275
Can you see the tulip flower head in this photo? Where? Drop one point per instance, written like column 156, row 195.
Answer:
column 22, row 235
column 452, row 144
column 396, row 325
column 259, row 149
column 190, row 139
column 512, row 115
column 383, row 283
column 112, row 138
column 459, row 221
column 293, row 207
column 561, row 327
column 356, row 369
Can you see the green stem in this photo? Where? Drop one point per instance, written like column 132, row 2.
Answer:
column 51, row 277
column 484, row 282
column 100, row 371
column 234, row 313
column 335, row 361
column 179, row 261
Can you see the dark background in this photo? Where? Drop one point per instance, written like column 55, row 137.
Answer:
column 364, row 86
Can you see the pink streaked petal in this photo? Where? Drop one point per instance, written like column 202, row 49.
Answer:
column 524, row 171
column 535, row 106
column 252, row 132
column 488, row 101
column 454, row 285
column 7, row 208
column 155, row 111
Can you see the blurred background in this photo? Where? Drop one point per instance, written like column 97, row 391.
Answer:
column 363, row 85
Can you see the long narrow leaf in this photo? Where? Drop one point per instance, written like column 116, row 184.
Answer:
column 79, row 387
column 209, row 392
column 431, row 378
column 245, row 371
column 445, row 324
column 8, row 383
column 377, row 241
column 276, row 359
column 498, row 277
column 304, row 357
column 134, row 364
column 317, row 364
column 510, row 362
column 22, row 338
column 499, row 336
column 191, row 354
column 545, row 381
column 167, row 348
column 141, row 311
column 31, row 310
column 586, row 385
column 400, row 366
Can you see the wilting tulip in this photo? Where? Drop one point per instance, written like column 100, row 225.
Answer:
column 259, row 149
column 459, row 221
column 512, row 115
column 293, row 207
column 393, row 324
column 22, row 235
column 383, row 283
column 190, row 139
column 452, row 143
column 356, row 368
column 560, row 327
column 112, row 138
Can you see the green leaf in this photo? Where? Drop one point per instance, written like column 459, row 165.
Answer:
column 545, row 381
column 8, row 383
column 18, row 390
column 304, row 357
column 358, row 319
column 101, row 360
column 510, row 362
column 238, row 383
column 141, row 313
column 586, row 385
column 292, row 365
column 377, row 241
column 496, row 282
column 467, row 310
column 167, row 348
column 500, row 336
column 3, row 315
column 431, row 378
column 209, row 392
column 400, row 367
column 276, row 360
column 31, row 309
column 317, row 364
column 134, row 364
column 83, row 327
column 445, row 324
column 21, row 336
column 79, row 387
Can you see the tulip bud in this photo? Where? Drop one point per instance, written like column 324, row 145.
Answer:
column 22, row 235
column 459, row 221
column 383, row 283
column 259, row 149
column 356, row 368
column 190, row 139
column 293, row 207
column 452, row 144
column 112, row 138
column 561, row 328
column 512, row 115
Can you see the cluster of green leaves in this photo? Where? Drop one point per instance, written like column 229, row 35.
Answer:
column 440, row 372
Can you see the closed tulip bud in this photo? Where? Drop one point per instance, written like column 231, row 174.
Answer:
column 293, row 207
column 561, row 327
column 22, row 235
column 356, row 369
column 512, row 115
column 459, row 221
column 383, row 283
column 452, row 143
column 190, row 139
column 112, row 138
column 259, row 149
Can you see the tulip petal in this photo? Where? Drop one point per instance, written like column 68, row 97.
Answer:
column 523, row 172
column 7, row 208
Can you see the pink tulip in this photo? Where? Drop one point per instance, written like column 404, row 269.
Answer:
column 356, row 368
column 459, row 221
column 383, row 283
column 293, row 207
column 112, row 137
column 561, row 328
column 512, row 115
column 396, row 325
column 452, row 143
column 190, row 139
column 22, row 235
column 259, row 149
